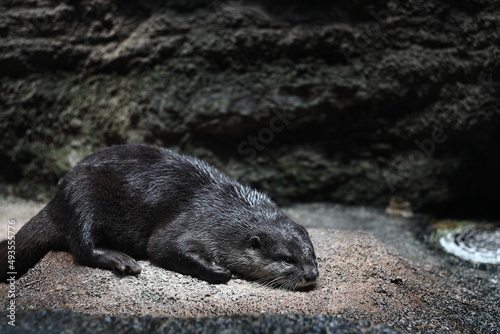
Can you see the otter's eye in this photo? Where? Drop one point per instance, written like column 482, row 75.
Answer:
column 288, row 260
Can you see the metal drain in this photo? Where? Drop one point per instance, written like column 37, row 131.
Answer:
column 468, row 241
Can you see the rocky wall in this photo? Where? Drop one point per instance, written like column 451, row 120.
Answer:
column 348, row 101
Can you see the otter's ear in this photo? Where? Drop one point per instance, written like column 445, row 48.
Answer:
column 254, row 242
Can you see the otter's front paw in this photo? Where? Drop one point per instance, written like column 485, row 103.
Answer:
column 218, row 276
column 127, row 266
column 114, row 260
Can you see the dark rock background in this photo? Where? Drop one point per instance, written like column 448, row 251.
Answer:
column 348, row 101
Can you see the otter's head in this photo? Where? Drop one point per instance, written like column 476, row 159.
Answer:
column 280, row 255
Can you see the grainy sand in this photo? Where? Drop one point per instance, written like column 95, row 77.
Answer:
column 370, row 265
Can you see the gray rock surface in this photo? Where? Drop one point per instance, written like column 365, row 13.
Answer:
column 379, row 275
column 350, row 101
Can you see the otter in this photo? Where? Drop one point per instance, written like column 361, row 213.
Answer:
column 132, row 202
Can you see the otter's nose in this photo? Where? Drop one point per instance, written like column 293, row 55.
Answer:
column 311, row 276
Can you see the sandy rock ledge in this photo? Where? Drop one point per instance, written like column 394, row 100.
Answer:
column 360, row 279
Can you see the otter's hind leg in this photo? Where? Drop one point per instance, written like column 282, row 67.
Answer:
column 89, row 248
column 109, row 259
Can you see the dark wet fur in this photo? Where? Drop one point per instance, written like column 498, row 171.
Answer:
column 132, row 202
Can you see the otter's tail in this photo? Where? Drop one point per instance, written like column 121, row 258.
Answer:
column 30, row 244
